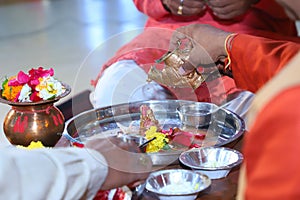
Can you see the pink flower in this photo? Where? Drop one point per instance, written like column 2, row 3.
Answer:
column 21, row 79
column 40, row 72
column 32, row 78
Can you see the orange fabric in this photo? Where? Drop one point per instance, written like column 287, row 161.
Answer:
column 271, row 150
column 154, row 42
column 249, row 54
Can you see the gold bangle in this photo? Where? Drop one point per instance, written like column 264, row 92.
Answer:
column 228, row 46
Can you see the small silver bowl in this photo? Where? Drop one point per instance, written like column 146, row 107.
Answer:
column 197, row 114
column 176, row 184
column 215, row 162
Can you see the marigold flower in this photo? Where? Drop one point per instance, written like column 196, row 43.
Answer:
column 33, row 145
column 11, row 93
column 159, row 143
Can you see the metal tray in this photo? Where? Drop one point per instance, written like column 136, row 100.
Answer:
column 226, row 126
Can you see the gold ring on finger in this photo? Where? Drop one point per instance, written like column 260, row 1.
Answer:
column 180, row 8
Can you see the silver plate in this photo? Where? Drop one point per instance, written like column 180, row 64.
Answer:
column 226, row 125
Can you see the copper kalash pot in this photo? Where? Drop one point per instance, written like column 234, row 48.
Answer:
column 34, row 121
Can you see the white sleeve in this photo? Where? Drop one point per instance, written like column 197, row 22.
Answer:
column 108, row 92
column 66, row 173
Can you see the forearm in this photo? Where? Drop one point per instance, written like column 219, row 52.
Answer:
column 151, row 8
column 255, row 60
column 51, row 174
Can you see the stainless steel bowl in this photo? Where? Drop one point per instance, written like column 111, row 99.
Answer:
column 197, row 114
column 215, row 162
column 177, row 184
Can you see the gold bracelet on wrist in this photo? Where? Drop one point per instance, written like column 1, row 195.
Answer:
column 228, row 46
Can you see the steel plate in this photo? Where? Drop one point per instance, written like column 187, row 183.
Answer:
column 226, row 126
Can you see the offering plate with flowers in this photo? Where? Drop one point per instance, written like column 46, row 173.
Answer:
column 157, row 119
column 33, row 115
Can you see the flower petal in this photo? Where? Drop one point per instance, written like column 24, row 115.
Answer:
column 34, row 97
column 13, row 82
column 40, row 72
column 22, row 77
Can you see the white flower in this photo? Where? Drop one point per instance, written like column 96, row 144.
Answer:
column 49, row 88
column 25, row 94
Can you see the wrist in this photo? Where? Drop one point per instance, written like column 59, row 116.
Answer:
column 228, row 43
column 227, row 47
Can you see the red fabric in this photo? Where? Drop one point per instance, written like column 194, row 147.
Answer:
column 266, row 15
column 271, row 150
column 250, row 54
column 154, row 42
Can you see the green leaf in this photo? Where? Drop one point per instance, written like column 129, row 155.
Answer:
column 4, row 82
column 166, row 147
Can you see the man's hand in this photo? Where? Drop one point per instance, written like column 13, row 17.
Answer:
column 189, row 7
column 125, row 162
column 206, row 44
column 228, row 9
